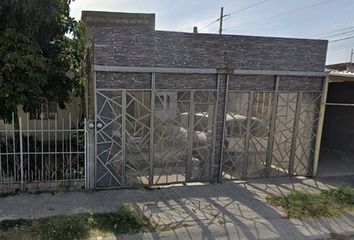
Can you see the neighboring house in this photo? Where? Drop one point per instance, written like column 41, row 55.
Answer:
column 337, row 149
column 170, row 107
column 45, row 150
column 50, row 116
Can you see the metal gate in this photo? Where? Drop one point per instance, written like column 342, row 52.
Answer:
column 269, row 134
column 42, row 154
column 150, row 137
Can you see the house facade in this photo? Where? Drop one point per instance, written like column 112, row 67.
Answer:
column 169, row 107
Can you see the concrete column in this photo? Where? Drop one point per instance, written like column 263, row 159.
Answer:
column 220, row 111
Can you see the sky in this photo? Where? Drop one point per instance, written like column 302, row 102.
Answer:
column 318, row 19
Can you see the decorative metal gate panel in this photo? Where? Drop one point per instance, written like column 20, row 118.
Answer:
column 171, row 134
column 307, row 133
column 246, row 134
column 163, row 136
column 203, row 139
column 252, row 149
column 138, row 142
column 109, row 139
column 259, row 134
column 137, row 137
column 235, row 134
column 284, row 129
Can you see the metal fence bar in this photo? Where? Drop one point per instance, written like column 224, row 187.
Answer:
column 248, row 133
column 21, row 151
column 190, row 138
column 77, row 148
column 28, row 149
column 45, row 152
column 124, row 103
column 34, row 175
column 86, row 157
column 63, row 147
column 215, row 113
column 224, row 131
column 273, row 117
column 70, row 157
column 1, row 164
column 56, row 146
column 7, row 150
column 48, row 161
column 295, row 133
column 13, row 147
column 152, row 129
column 42, row 150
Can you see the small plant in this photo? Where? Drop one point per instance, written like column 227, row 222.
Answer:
column 328, row 203
column 343, row 195
column 9, row 224
column 78, row 226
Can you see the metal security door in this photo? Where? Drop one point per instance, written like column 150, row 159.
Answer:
column 109, row 139
column 139, row 142
column 184, row 124
column 122, row 138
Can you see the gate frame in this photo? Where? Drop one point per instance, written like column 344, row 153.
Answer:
column 152, row 92
column 218, row 73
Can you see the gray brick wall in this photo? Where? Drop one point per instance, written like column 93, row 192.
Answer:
column 185, row 81
column 251, row 82
column 292, row 83
column 144, row 48
column 114, row 80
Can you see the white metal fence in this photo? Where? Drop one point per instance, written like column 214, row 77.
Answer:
column 45, row 151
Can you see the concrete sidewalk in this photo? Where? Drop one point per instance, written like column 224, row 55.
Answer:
column 231, row 210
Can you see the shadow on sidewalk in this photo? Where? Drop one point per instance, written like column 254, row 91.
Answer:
column 234, row 210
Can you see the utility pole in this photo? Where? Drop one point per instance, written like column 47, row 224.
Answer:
column 221, row 18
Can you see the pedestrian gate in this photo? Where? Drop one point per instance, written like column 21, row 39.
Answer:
column 154, row 136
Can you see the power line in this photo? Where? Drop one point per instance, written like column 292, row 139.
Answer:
column 341, row 39
column 246, row 8
column 234, row 12
column 333, row 31
column 338, row 49
column 281, row 14
column 209, row 24
column 338, row 34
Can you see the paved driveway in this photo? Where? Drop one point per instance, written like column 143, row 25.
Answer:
column 231, row 210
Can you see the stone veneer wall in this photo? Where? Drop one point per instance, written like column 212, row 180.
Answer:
column 144, row 47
